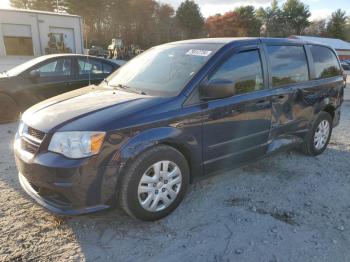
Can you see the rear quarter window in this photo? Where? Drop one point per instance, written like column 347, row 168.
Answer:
column 288, row 64
column 325, row 62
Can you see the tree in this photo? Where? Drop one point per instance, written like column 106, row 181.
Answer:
column 292, row 18
column 165, row 22
column 249, row 24
column 296, row 16
column 226, row 25
column 44, row 5
column 23, row 4
column 272, row 19
column 347, row 30
column 317, row 28
column 190, row 19
column 240, row 22
column 95, row 18
column 336, row 26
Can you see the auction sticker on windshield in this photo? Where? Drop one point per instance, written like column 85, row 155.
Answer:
column 197, row 52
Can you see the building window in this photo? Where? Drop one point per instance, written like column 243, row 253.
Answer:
column 18, row 46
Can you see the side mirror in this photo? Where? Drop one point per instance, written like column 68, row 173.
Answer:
column 34, row 74
column 217, row 88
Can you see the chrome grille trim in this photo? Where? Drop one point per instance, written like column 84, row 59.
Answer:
column 34, row 133
column 31, row 140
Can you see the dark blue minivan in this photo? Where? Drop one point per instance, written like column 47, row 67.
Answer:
column 172, row 115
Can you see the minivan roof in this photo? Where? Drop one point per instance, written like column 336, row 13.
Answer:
column 230, row 40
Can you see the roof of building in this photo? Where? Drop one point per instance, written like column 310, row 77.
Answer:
column 337, row 44
column 36, row 12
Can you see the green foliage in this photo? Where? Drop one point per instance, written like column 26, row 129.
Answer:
column 273, row 20
column 148, row 22
column 43, row 5
column 291, row 19
column 317, row 28
column 190, row 19
column 296, row 15
column 248, row 20
column 337, row 25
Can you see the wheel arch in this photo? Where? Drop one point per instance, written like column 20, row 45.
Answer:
column 185, row 152
column 182, row 141
column 330, row 109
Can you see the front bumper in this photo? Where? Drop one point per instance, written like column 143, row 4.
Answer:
column 65, row 186
column 52, row 205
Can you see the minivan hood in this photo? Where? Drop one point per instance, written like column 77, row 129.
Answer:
column 67, row 107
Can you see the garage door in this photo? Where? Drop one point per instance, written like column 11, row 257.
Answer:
column 18, row 39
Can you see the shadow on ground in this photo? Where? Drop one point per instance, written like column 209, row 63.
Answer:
column 288, row 207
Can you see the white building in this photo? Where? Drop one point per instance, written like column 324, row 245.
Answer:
column 25, row 34
column 341, row 47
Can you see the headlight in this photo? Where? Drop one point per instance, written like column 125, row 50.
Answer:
column 77, row 144
column 20, row 128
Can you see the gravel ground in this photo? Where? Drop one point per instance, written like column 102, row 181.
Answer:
column 288, row 207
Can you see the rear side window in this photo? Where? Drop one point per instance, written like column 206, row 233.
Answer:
column 107, row 69
column 244, row 69
column 90, row 66
column 325, row 61
column 288, row 65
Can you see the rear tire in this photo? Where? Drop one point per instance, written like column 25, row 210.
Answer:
column 155, row 183
column 319, row 135
column 9, row 110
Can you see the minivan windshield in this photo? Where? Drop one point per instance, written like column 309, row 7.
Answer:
column 163, row 70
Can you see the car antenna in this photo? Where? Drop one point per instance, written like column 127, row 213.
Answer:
column 89, row 71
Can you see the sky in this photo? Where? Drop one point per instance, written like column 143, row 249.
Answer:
column 319, row 8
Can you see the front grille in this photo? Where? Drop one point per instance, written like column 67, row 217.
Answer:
column 28, row 146
column 36, row 133
column 31, row 139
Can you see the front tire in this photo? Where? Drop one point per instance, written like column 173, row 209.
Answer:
column 155, row 183
column 319, row 135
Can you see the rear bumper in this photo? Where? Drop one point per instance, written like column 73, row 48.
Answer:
column 336, row 118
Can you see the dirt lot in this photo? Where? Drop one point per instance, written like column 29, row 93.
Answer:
column 288, row 207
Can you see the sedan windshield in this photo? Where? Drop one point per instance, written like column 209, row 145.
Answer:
column 163, row 70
